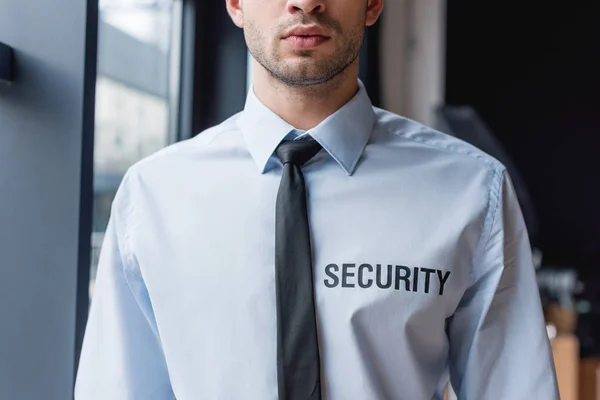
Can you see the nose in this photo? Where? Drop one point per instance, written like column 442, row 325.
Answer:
column 306, row 6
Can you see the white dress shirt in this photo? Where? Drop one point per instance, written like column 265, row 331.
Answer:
column 423, row 268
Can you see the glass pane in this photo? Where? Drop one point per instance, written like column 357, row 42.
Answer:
column 138, row 60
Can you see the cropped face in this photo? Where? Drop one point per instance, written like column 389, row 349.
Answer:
column 305, row 42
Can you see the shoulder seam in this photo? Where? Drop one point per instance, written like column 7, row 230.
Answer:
column 160, row 154
column 493, row 206
column 473, row 155
column 130, row 261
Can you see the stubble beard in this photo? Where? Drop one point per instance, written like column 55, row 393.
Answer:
column 304, row 71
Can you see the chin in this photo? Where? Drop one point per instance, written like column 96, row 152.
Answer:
column 305, row 63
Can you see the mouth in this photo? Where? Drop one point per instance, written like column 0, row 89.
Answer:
column 305, row 42
column 306, row 37
column 306, row 30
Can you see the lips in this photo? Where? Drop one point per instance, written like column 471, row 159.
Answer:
column 306, row 37
column 311, row 30
column 306, row 42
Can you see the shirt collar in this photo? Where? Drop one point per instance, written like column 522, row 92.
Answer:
column 344, row 134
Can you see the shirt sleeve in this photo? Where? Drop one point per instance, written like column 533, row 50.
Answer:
column 499, row 348
column 122, row 356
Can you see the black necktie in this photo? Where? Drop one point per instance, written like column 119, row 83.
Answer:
column 298, row 366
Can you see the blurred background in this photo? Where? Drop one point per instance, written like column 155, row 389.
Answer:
column 88, row 88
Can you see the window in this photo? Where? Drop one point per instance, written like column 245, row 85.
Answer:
column 137, row 87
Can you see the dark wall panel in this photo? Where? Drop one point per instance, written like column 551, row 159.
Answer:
column 532, row 71
column 45, row 137
column 220, row 67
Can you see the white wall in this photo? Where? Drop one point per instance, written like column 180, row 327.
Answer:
column 413, row 52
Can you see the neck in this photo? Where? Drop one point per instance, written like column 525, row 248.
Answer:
column 305, row 107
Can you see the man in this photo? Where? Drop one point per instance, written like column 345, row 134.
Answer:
column 315, row 247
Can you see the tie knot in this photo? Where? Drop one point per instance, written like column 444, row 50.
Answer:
column 297, row 152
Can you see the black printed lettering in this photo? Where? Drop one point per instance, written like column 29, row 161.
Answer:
column 347, row 274
column 388, row 283
column 402, row 277
column 354, row 275
column 330, row 271
column 428, row 272
column 369, row 281
column 442, row 280
column 415, row 279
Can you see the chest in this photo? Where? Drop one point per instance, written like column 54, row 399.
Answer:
column 373, row 243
